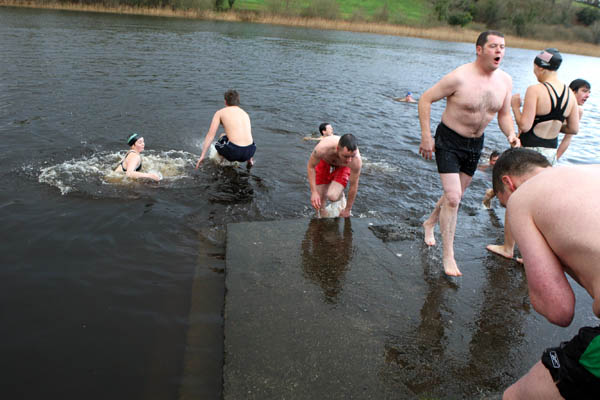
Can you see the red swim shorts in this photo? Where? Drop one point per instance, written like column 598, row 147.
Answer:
column 326, row 176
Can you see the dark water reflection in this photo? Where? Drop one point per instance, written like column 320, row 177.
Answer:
column 98, row 274
column 327, row 250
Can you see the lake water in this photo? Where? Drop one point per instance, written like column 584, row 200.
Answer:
column 97, row 272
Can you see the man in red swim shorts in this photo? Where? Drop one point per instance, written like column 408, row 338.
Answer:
column 334, row 161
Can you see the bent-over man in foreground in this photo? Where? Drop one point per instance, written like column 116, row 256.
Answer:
column 333, row 162
column 553, row 215
column 474, row 93
column 236, row 144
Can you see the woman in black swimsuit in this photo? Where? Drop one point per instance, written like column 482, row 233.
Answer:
column 132, row 162
column 547, row 105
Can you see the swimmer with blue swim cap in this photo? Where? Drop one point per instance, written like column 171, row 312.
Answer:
column 407, row 99
column 132, row 162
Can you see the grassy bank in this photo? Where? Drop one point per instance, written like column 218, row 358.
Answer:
column 436, row 33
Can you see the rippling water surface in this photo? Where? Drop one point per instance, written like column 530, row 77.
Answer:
column 97, row 269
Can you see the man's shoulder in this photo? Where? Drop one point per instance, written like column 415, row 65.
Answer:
column 503, row 75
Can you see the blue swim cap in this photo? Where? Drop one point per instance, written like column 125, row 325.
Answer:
column 132, row 139
column 409, row 93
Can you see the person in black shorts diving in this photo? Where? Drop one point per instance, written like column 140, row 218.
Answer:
column 237, row 143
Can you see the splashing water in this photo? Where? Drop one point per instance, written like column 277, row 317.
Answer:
column 90, row 174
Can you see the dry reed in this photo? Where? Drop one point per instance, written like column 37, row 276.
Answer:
column 435, row 33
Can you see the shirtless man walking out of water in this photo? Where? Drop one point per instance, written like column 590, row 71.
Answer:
column 333, row 162
column 474, row 93
column 237, row 143
column 553, row 215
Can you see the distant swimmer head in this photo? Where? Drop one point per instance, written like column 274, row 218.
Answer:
column 132, row 139
column 408, row 94
column 549, row 59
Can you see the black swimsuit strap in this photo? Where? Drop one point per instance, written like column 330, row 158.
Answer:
column 124, row 158
column 556, row 110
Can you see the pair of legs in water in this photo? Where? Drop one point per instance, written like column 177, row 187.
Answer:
column 445, row 212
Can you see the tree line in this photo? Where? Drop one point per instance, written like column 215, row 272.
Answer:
column 539, row 19
column 577, row 20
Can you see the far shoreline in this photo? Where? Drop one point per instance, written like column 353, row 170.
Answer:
column 448, row 34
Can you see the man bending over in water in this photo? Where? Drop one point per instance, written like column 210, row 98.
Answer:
column 552, row 213
column 474, row 93
column 333, row 161
column 236, row 144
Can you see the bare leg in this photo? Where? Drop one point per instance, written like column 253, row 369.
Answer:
column 536, row 384
column 454, row 186
column 322, row 190
column 250, row 162
column 430, row 223
column 335, row 195
column 335, row 191
column 506, row 249
column 487, row 199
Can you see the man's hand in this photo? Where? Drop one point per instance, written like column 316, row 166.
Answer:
column 513, row 140
column 427, row 148
column 345, row 213
column 315, row 200
column 199, row 162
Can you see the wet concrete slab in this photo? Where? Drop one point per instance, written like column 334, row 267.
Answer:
column 356, row 308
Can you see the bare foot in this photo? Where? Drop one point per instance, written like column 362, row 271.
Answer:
column 450, row 267
column 487, row 203
column 322, row 213
column 504, row 252
column 487, row 199
column 250, row 162
column 429, row 235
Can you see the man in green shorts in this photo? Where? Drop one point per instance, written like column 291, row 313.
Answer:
column 556, row 236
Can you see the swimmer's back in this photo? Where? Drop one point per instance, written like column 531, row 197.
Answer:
column 236, row 123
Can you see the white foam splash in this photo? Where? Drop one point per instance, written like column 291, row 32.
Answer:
column 217, row 159
column 75, row 174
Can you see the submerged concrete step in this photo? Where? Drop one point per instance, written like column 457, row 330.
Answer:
column 308, row 309
column 357, row 309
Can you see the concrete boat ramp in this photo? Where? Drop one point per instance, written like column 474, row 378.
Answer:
column 356, row 309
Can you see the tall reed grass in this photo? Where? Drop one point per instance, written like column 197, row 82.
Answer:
column 436, row 33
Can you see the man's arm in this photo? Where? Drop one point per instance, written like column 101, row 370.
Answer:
column 549, row 290
column 505, row 121
column 212, row 131
column 354, row 177
column 315, row 198
column 564, row 144
column 444, row 88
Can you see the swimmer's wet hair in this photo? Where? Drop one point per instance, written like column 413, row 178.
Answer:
column 494, row 154
column 348, row 141
column 232, row 98
column 516, row 162
column 322, row 127
column 578, row 84
column 132, row 139
column 483, row 36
